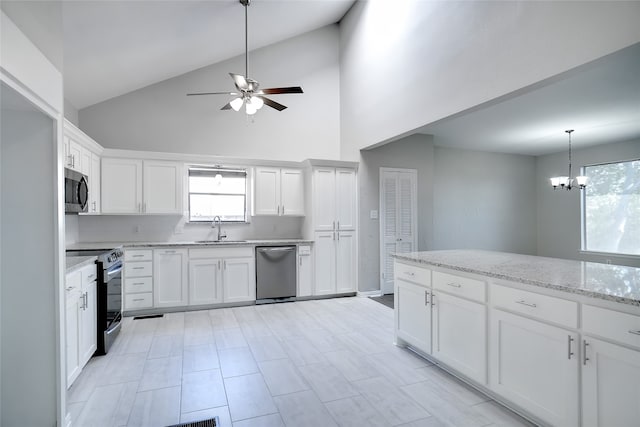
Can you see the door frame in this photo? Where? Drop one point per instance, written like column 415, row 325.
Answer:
column 382, row 218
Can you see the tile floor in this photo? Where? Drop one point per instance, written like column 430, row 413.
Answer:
column 312, row 363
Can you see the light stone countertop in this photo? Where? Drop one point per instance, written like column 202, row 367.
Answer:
column 76, row 262
column 605, row 281
column 257, row 242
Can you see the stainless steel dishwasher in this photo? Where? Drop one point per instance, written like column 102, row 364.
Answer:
column 275, row 274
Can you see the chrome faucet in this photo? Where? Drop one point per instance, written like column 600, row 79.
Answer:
column 218, row 220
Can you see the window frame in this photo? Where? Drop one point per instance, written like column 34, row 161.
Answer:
column 247, row 191
column 583, row 216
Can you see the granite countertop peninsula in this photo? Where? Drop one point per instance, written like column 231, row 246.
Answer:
column 605, row 281
column 199, row 243
column 76, row 262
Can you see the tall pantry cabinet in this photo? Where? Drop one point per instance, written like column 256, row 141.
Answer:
column 332, row 224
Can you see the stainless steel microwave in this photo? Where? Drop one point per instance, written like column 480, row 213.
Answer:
column 76, row 192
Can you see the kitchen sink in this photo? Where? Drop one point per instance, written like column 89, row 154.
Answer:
column 220, row 241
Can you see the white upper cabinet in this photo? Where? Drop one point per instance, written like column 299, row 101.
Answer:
column 278, row 192
column 162, row 187
column 121, row 186
column 346, row 209
column 334, row 199
column 132, row 186
column 82, row 154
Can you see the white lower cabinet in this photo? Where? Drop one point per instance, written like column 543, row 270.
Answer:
column 460, row 335
column 610, row 384
column 170, row 278
column 413, row 314
column 205, row 281
column 535, row 366
column 219, row 275
column 346, row 261
column 335, row 262
column 80, row 320
column 138, row 279
column 305, row 272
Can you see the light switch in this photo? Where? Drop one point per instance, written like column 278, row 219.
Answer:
column 373, row 214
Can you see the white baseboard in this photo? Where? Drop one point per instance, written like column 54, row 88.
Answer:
column 376, row 293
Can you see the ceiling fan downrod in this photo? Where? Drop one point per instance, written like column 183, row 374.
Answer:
column 246, row 4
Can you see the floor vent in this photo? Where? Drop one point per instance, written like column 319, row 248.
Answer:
column 212, row 422
column 150, row 316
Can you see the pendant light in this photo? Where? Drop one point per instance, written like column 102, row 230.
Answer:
column 566, row 182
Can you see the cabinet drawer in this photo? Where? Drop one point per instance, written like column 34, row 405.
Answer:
column 89, row 274
column 135, row 285
column 458, row 285
column 138, row 255
column 138, row 269
column 135, row 301
column 226, row 252
column 543, row 307
column 411, row 273
column 614, row 325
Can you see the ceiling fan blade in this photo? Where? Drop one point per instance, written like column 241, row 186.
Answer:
column 213, row 93
column 240, row 81
column 273, row 104
column 227, row 107
column 278, row 90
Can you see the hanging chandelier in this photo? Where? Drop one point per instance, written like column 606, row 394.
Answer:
column 566, row 182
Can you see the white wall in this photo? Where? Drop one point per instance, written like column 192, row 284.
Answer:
column 167, row 228
column 413, row 152
column 448, row 56
column 484, row 201
column 558, row 212
column 161, row 118
column 28, row 316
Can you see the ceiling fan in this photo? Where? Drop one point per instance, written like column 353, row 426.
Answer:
column 249, row 93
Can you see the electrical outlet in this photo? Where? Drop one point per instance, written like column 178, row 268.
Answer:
column 373, row 214
column 136, row 229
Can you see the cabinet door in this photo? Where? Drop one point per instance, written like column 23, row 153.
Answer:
column 162, row 187
column 346, row 261
column 94, row 184
column 325, row 263
column 85, row 162
column 413, row 314
column 121, row 186
column 324, row 199
column 305, row 275
column 266, row 191
column 460, row 335
column 345, row 192
column 205, row 281
column 75, row 153
column 292, row 192
column 72, row 336
column 88, row 323
column 239, row 279
column 170, row 277
column 535, row 366
column 610, row 379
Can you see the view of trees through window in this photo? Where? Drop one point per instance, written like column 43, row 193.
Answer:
column 217, row 192
column 612, row 208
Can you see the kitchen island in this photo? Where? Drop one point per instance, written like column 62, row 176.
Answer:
column 556, row 340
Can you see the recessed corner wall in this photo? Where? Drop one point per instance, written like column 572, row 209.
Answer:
column 410, row 63
column 162, row 118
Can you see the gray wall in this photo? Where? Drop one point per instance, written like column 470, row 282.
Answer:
column 484, row 201
column 558, row 212
column 413, row 152
column 28, row 320
column 162, row 118
column 71, row 112
column 447, row 57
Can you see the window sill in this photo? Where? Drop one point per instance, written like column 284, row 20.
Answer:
column 609, row 254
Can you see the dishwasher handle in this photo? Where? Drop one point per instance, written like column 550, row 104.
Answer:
column 275, row 253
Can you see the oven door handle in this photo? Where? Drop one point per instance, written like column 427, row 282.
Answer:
column 114, row 272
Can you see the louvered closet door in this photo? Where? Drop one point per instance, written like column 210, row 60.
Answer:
column 398, row 223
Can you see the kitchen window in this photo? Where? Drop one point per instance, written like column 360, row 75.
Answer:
column 611, row 208
column 217, row 192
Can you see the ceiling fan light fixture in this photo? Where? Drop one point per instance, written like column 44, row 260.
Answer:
column 236, row 104
column 257, row 102
column 250, row 108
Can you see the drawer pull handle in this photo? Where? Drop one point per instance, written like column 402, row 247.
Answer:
column 634, row 332
column 528, row 304
column 138, row 299
column 410, row 273
column 137, row 256
column 455, row 285
column 426, row 298
column 138, row 283
column 91, row 276
column 569, row 351
column 138, row 268
column 584, row 352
